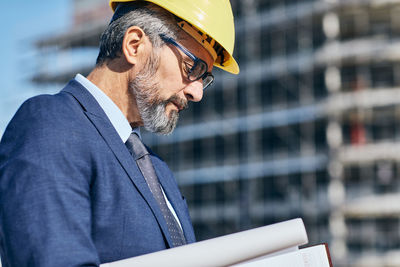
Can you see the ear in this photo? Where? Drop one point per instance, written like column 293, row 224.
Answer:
column 133, row 45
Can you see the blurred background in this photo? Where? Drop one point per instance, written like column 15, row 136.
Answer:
column 309, row 128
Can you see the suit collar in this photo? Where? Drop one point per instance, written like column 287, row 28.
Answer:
column 85, row 99
column 114, row 114
column 99, row 119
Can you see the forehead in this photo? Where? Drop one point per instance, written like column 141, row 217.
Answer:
column 196, row 49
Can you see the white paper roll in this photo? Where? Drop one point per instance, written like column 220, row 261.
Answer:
column 225, row 250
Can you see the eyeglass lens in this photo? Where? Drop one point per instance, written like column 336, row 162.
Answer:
column 207, row 81
column 198, row 70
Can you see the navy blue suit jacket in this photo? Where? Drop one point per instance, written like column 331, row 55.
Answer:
column 71, row 193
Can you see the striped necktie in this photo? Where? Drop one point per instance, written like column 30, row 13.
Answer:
column 142, row 158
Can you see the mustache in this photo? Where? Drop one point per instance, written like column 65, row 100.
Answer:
column 176, row 100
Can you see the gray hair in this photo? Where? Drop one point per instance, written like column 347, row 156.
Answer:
column 153, row 20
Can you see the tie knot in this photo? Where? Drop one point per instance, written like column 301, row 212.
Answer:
column 135, row 146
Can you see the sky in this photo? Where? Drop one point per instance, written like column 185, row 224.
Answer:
column 21, row 23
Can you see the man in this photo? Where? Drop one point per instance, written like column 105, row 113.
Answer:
column 77, row 186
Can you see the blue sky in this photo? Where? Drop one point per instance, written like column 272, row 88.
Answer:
column 21, row 23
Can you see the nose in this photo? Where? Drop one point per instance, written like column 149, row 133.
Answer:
column 194, row 91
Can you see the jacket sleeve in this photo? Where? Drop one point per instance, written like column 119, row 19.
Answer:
column 45, row 177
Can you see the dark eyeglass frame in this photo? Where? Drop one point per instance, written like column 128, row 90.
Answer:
column 206, row 76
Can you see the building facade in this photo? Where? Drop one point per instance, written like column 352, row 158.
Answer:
column 307, row 129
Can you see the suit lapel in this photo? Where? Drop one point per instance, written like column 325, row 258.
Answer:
column 99, row 119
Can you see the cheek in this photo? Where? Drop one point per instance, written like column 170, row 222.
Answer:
column 170, row 75
column 169, row 87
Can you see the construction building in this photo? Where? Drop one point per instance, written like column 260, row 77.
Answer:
column 309, row 128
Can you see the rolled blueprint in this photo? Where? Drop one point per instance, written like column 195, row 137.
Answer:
column 225, row 250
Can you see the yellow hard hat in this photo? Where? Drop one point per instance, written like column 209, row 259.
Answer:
column 210, row 22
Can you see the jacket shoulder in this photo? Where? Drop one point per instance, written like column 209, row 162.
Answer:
column 45, row 122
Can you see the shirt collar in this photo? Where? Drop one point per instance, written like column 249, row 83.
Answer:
column 114, row 114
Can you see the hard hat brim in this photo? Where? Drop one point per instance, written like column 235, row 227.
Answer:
column 230, row 66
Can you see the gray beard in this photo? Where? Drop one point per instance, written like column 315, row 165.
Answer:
column 151, row 108
column 154, row 117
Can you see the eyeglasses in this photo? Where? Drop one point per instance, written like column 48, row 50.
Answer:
column 199, row 68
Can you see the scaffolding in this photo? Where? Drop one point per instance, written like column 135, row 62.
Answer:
column 308, row 129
